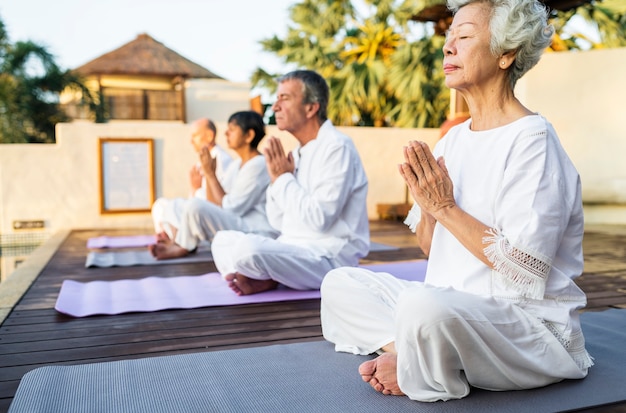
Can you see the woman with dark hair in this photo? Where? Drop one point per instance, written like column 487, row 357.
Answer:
column 237, row 203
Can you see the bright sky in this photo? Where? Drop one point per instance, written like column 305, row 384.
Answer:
column 220, row 35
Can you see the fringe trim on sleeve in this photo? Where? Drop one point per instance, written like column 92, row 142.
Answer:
column 520, row 270
column 413, row 217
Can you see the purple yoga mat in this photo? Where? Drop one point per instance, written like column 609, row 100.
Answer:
column 79, row 299
column 129, row 241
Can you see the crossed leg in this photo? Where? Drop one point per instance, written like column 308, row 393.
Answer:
column 167, row 250
column 243, row 285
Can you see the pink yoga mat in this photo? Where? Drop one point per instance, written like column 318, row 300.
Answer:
column 160, row 293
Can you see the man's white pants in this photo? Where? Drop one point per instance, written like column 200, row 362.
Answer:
column 446, row 340
column 264, row 258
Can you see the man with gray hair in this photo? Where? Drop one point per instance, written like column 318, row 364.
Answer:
column 316, row 199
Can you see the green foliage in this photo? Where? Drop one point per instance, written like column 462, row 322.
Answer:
column 30, row 84
column 377, row 76
column 607, row 17
column 367, row 60
column 427, row 100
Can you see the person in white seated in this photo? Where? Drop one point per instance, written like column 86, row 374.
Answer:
column 316, row 200
column 237, row 201
column 498, row 211
column 166, row 212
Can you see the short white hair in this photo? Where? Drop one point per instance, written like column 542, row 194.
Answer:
column 519, row 26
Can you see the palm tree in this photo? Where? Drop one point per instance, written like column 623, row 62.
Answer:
column 364, row 62
column 607, row 18
column 30, row 83
column 311, row 40
column 384, row 69
column 425, row 98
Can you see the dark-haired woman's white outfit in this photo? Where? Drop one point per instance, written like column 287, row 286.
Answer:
column 513, row 327
column 242, row 209
column 167, row 212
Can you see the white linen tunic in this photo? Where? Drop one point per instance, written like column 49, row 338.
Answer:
column 243, row 206
column 513, row 327
column 320, row 212
column 166, row 212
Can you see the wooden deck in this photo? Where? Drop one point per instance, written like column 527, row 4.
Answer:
column 35, row 335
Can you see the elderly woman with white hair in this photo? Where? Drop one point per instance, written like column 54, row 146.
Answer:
column 498, row 211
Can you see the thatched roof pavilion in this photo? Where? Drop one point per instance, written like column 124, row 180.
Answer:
column 141, row 80
column 145, row 56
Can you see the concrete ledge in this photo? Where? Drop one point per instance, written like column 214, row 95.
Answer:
column 605, row 214
column 14, row 287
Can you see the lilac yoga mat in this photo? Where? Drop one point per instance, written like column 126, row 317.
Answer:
column 79, row 299
column 130, row 241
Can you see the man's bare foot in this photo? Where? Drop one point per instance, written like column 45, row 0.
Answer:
column 381, row 374
column 162, row 237
column 243, row 285
column 167, row 250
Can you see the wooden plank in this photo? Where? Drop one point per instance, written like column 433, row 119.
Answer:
column 121, row 324
column 35, row 335
column 194, row 329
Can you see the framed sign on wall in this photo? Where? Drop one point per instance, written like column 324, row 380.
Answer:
column 126, row 175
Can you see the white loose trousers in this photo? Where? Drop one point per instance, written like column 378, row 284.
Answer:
column 447, row 340
column 264, row 258
column 201, row 220
column 166, row 214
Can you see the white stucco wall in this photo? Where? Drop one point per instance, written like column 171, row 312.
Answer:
column 582, row 94
column 59, row 183
column 215, row 98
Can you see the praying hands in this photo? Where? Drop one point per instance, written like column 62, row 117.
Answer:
column 277, row 162
column 427, row 178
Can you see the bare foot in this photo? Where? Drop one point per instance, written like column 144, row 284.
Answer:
column 243, row 285
column 381, row 374
column 162, row 237
column 167, row 250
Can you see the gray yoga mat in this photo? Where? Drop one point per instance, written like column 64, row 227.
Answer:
column 129, row 258
column 303, row 377
column 134, row 241
column 123, row 241
column 378, row 246
column 140, row 257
